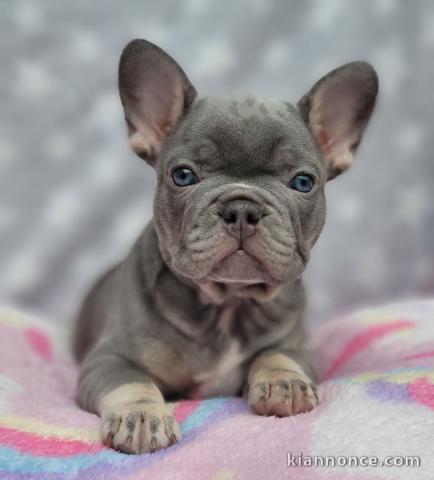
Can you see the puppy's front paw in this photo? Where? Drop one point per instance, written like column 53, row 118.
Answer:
column 139, row 427
column 281, row 393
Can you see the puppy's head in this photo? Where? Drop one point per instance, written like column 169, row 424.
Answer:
column 240, row 196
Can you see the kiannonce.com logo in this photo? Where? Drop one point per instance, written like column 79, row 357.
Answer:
column 300, row 460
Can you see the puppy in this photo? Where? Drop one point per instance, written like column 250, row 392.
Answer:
column 210, row 300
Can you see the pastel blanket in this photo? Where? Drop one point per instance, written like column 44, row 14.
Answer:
column 377, row 371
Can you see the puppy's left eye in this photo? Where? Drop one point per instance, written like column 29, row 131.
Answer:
column 302, row 183
column 184, row 177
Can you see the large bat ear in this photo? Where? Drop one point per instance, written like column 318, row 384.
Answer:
column 337, row 110
column 155, row 93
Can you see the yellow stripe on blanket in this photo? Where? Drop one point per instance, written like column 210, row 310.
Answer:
column 396, row 377
column 31, row 425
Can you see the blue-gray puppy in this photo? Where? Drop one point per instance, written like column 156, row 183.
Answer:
column 210, row 300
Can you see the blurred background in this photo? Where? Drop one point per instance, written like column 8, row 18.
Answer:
column 73, row 197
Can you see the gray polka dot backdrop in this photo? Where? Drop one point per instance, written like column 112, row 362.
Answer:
column 73, row 197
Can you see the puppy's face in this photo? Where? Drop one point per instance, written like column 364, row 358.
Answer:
column 240, row 196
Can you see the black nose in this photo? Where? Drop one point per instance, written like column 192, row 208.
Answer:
column 241, row 217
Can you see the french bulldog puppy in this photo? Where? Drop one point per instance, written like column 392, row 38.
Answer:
column 210, row 300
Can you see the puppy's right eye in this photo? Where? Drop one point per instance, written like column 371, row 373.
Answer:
column 184, row 177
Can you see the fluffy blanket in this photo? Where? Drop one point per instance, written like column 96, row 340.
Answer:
column 377, row 370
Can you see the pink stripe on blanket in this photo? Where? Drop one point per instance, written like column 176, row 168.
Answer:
column 419, row 355
column 362, row 340
column 423, row 392
column 185, row 408
column 40, row 343
column 42, row 446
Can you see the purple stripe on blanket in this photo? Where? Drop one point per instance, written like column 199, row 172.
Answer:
column 389, row 392
column 33, row 476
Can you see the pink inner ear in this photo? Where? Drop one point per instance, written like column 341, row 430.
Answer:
column 323, row 139
column 336, row 107
column 158, row 106
column 332, row 119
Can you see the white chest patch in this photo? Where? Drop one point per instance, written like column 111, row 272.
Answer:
column 225, row 378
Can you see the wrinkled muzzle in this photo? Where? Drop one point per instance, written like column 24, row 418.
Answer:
column 238, row 237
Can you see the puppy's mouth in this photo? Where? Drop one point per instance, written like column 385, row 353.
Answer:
column 239, row 270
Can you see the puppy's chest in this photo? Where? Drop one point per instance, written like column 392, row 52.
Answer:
column 223, row 374
column 214, row 359
column 220, row 366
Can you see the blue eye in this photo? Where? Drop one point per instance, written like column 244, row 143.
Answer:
column 302, row 183
column 184, row 177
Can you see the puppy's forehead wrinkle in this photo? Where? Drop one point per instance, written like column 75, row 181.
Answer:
column 247, row 105
column 233, row 109
column 217, row 110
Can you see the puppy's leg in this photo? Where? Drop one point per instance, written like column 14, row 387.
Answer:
column 134, row 416
column 278, row 384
